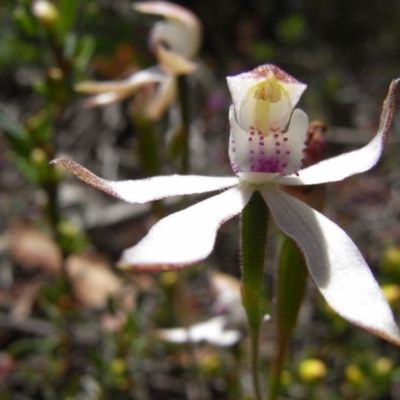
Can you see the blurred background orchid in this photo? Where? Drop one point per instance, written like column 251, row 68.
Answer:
column 175, row 42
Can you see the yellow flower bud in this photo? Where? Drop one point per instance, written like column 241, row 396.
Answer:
column 210, row 364
column 169, row 279
column 118, row 366
column 38, row 156
column 391, row 292
column 391, row 259
column 312, row 370
column 383, row 366
column 354, row 375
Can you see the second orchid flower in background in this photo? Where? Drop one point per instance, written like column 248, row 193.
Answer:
column 175, row 42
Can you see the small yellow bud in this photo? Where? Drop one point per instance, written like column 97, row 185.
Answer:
column 210, row 364
column 286, row 378
column 312, row 370
column 354, row 375
column 38, row 156
column 383, row 366
column 118, row 366
column 45, row 12
column 67, row 229
column 391, row 292
column 391, row 259
column 169, row 279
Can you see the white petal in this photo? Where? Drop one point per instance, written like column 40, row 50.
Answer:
column 228, row 299
column 181, row 31
column 354, row 162
column 131, row 84
column 172, row 62
column 187, row 236
column 106, row 99
column 162, row 99
column 177, row 37
column 210, row 331
column 335, row 264
column 149, row 189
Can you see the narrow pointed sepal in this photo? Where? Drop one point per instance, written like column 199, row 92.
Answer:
column 150, row 189
column 174, row 63
column 338, row 168
column 335, row 264
column 186, row 237
column 165, row 95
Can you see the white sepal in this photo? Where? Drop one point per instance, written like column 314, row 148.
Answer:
column 335, row 264
column 185, row 237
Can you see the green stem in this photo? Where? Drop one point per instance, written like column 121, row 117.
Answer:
column 292, row 280
column 149, row 155
column 254, row 226
column 183, row 98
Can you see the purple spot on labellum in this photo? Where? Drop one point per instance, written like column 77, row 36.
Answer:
column 288, row 152
column 250, row 139
column 278, row 152
column 285, row 139
column 277, row 144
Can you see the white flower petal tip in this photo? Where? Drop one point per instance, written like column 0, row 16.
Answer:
column 335, row 264
column 338, row 168
column 181, row 31
column 131, row 84
column 104, row 99
column 170, row 11
column 211, row 331
column 150, row 189
column 185, row 237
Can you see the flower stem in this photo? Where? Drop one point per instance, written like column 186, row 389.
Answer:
column 148, row 154
column 292, row 280
column 254, row 226
column 183, row 99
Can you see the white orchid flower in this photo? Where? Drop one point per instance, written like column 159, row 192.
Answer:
column 266, row 148
column 175, row 42
column 214, row 331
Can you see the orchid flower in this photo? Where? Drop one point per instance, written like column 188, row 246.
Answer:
column 266, row 147
column 213, row 331
column 175, row 41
